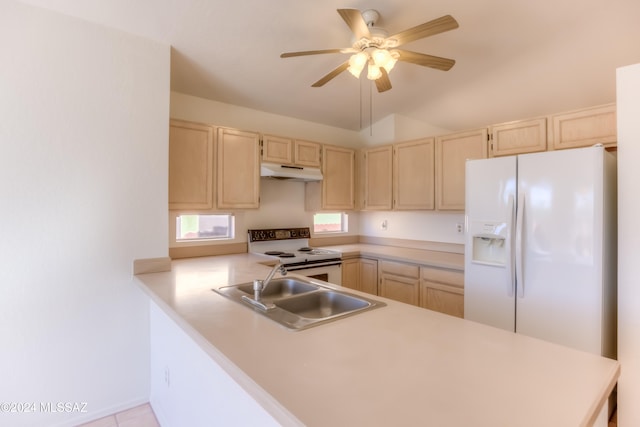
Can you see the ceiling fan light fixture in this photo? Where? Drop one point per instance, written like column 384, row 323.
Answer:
column 391, row 62
column 357, row 63
column 374, row 72
column 381, row 57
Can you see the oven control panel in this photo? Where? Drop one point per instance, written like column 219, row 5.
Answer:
column 279, row 234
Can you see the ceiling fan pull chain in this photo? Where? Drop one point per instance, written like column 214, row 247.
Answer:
column 370, row 107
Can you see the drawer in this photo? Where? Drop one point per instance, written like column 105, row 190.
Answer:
column 450, row 277
column 400, row 269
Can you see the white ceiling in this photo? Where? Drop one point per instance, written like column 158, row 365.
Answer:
column 515, row 58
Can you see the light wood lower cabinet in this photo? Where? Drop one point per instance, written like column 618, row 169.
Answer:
column 399, row 281
column 442, row 290
column 433, row 288
column 360, row 274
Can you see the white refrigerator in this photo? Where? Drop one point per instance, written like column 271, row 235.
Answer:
column 540, row 246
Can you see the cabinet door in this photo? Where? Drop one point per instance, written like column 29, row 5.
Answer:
column 525, row 136
column 306, row 153
column 413, row 175
column 191, row 156
column 443, row 298
column 351, row 273
column 368, row 275
column 276, row 149
column 582, row 128
column 452, row 151
column 442, row 290
column 400, row 288
column 238, row 169
column 336, row 190
column 378, row 178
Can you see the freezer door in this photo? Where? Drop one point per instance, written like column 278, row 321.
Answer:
column 560, row 294
column 489, row 218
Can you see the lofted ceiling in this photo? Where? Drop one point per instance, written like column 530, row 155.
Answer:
column 514, row 59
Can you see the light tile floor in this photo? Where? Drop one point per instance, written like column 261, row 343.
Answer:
column 140, row 416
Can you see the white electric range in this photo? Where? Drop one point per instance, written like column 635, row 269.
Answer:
column 290, row 246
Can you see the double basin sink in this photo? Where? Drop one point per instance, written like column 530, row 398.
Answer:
column 299, row 304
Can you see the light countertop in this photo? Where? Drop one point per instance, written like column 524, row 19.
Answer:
column 449, row 260
column 396, row 365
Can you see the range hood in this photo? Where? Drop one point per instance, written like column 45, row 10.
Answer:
column 290, row 173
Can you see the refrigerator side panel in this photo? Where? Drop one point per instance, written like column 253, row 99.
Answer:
column 561, row 296
column 489, row 204
column 610, row 258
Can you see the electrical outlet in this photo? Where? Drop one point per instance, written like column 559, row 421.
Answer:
column 460, row 228
column 384, row 225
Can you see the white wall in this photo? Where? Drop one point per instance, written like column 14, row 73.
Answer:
column 202, row 110
column 83, row 172
column 628, row 110
column 413, row 225
column 397, row 128
column 282, row 205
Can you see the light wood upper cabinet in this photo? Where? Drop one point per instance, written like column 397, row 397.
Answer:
column 413, row 175
column 442, row 290
column 287, row 151
column 276, row 149
column 238, row 169
column 452, row 152
column 191, row 157
column 585, row 127
column 524, row 136
column 378, row 188
column 307, row 153
column 336, row 191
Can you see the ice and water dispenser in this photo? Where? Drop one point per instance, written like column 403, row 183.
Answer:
column 489, row 243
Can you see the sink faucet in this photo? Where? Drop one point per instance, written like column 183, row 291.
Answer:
column 260, row 285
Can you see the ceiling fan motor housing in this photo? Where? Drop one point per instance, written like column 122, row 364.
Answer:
column 370, row 17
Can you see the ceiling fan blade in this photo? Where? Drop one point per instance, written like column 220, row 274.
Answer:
column 353, row 18
column 383, row 83
column 340, row 68
column 437, row 26
column 316, row 52
column 436, row 62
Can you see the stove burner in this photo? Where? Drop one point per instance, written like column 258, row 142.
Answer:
column 286, row 255
column 305, row 249
column 274, row 253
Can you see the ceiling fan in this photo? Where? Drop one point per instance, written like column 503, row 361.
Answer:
column 374, row 48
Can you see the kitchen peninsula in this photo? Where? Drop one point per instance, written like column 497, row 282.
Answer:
column 396, row 365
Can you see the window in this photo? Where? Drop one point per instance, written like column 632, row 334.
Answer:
column 204, row 227
column 330, row 223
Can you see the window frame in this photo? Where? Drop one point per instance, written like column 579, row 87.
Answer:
column 344, row 223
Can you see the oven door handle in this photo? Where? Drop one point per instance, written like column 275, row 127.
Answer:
column 310, row 266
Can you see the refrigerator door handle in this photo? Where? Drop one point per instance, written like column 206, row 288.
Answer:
column 518, row 251
column 511, row 215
